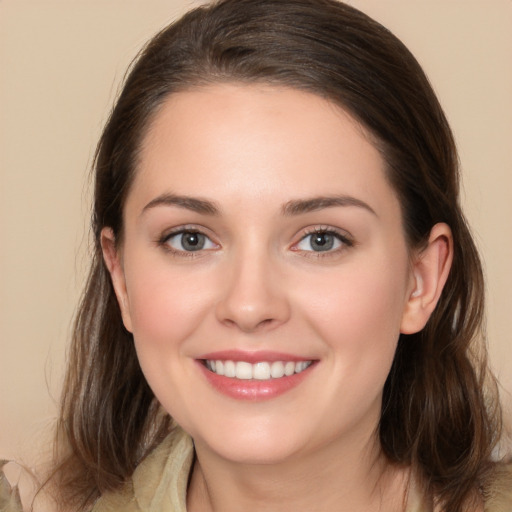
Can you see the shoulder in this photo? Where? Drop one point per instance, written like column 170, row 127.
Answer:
column 498, row 496
column 120, row 500
column 9, row 495
column 159, row 483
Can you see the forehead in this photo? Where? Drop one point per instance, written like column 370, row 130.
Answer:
column 257, row 141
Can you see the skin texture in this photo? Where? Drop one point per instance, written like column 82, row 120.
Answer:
column 257, row 284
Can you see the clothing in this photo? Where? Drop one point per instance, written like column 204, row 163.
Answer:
column 9, row 496
column 159, row 484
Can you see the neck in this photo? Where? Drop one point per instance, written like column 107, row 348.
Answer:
column 345, row 476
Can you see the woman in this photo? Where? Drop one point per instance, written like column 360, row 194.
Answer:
column 285, row 306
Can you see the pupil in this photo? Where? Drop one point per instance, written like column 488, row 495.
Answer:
column 192, row 241
column 322, row 242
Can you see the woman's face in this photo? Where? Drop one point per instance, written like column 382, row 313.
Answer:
column 263, row 241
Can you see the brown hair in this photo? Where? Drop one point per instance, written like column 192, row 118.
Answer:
column 435, row 414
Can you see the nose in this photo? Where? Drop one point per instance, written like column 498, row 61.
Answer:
column 254, row 297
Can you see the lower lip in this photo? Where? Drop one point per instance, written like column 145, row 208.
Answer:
column 254, row 389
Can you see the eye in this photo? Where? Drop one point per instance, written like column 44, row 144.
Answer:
column 188, row 241
column 323, row 241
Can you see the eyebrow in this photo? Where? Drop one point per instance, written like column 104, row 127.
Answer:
column 291, row 208
column 301, row 206
column 190, row 203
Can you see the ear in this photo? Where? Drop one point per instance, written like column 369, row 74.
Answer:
column 430, row 270
column 112, row 258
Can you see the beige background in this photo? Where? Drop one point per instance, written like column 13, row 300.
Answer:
column 60, row 66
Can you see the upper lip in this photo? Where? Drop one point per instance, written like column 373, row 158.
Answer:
column 252, row 357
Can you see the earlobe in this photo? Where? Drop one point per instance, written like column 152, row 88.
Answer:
column 430, row 271
column 112, row 258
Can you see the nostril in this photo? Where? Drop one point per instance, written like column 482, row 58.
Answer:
column 249, row 326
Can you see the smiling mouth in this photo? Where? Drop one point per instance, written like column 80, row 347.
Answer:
column 263, row 370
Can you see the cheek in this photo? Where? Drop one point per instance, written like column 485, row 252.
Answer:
column 359, row 322
column 358, row 312
column 359, row 301
column 166, row 303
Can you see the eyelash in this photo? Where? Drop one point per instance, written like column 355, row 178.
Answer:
column 346, row 241
column 343, row 238
column 163, row 241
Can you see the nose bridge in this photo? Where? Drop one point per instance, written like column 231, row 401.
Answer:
column 252, row 297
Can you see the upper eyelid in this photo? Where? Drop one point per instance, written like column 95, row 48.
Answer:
column 187, row 228
column 342, row 233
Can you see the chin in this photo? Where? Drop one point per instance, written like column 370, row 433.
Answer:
column 262, row 454
column 252, row 446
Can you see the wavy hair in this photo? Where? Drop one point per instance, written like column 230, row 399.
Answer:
column 440, row 413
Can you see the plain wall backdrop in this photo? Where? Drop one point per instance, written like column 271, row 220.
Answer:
column 61, row 63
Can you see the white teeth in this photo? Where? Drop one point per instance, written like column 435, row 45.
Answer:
column 229, row 369
column 243, row 370
column 299, row 367
column 262, row 370
column 277, row 369
column 289, row 368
